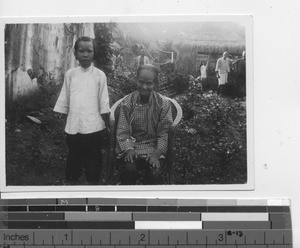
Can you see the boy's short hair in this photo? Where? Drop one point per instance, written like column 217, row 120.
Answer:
column 83, row 38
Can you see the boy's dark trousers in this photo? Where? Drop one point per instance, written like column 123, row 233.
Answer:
column 84, row 154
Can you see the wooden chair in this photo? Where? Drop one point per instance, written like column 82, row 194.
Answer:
column 111, row 159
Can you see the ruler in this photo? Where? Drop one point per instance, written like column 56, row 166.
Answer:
column 145, row 223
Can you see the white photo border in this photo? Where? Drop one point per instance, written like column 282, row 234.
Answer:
column 75, row 191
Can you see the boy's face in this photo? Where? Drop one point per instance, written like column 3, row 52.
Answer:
column 85, row 53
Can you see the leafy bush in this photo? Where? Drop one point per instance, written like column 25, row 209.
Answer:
column 210, row 146
column 120, row 83
column 49, row 90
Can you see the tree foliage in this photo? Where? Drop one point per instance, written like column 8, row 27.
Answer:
column 103, row 48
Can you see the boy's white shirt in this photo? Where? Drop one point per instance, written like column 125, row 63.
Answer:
column 84, row 97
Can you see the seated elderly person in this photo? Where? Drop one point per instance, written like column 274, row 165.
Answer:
column 142, row 131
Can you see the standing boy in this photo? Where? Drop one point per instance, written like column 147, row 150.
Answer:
column 84, row 99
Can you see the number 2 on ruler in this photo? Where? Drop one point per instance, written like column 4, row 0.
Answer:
column 142, row 237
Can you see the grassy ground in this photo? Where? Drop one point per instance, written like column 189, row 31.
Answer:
column 35, row 154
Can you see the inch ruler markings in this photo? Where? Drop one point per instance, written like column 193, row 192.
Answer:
column 130, row 223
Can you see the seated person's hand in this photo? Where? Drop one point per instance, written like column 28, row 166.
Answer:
column 153, row 160
column 130, row 156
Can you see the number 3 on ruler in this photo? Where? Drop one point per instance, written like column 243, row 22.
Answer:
column 221, row 237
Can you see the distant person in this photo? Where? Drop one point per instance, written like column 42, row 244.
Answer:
column 142, row 59
column 84, row 99
column 201, row 81
column 113, row 61
column 222, row 70
column 119, row 60
column 203, row 70
column 142, row 130
column 239, row 67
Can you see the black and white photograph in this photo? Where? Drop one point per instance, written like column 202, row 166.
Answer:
column 125, row 102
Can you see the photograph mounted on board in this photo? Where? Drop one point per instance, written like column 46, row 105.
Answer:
column 127, row 102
